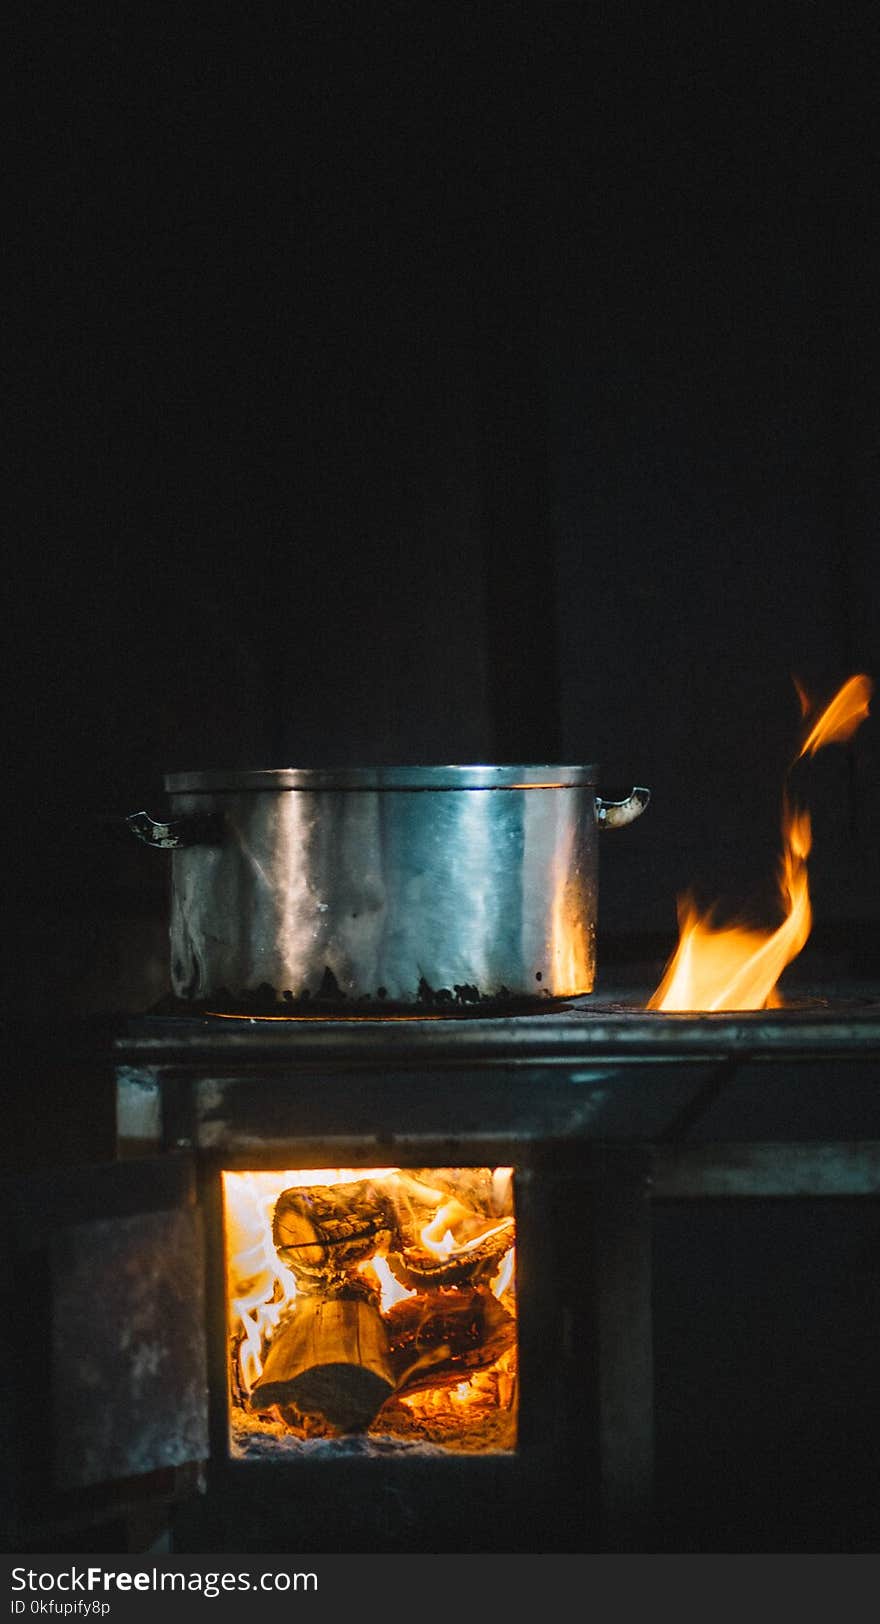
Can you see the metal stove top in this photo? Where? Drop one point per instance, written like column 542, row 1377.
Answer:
column 611, row 1025
column 602, row 1069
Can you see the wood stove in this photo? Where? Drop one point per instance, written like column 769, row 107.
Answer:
column 631, row 1137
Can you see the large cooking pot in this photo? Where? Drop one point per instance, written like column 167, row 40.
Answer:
column 412, row 887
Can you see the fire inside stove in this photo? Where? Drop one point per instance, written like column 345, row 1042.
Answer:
column 376, row 1303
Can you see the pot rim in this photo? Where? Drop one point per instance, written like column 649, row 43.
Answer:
column 523, row 776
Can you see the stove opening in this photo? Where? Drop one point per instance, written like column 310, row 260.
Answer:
column 371, row 1308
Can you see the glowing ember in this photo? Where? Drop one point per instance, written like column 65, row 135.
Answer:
column 737, row 967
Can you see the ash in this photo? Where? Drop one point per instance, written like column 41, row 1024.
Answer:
column 260, row 1437
column 265, row 1444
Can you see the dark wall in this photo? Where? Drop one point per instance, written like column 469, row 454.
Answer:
column 712, row 354
column 404, row 388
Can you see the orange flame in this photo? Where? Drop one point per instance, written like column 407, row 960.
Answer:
column 738, row 967
column 839, row 720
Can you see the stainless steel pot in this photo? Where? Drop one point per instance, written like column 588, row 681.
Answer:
column 417, row 887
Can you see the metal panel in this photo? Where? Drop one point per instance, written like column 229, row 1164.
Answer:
column 617, row 1329
column 702, row 1171
column 781, row 1098
column 387, row 1114
column 128, row 1360
column 138, row 1111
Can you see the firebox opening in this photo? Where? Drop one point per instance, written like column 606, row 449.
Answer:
column 371, row 1309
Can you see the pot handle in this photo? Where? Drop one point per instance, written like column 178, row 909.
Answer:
column 614, row 814
column 193, row 829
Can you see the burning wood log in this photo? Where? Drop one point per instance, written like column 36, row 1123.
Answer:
column 473, row 1197
column 330, row 1359
column 441, row 1339
column 322, row 1232
column 467, row 1265
column 485, row 1190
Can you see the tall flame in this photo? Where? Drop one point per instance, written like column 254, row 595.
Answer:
column 738, row 967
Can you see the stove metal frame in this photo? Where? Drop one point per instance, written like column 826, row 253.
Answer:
column 601, row 1111
column 598, row 1117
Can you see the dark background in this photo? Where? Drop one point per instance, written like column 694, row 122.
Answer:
column 409, row 384
column 453, row 384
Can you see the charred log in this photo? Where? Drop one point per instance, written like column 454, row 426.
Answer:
column 473, row 1263
column 484, row 1190
column 322, row 1232
column 330, row 1360
column 465, row 1199
column 444, row 1338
